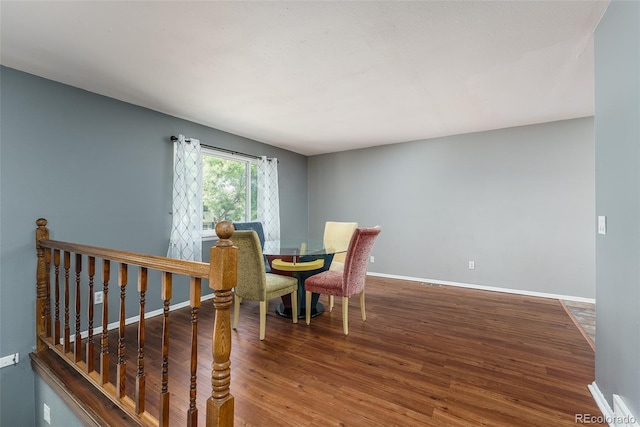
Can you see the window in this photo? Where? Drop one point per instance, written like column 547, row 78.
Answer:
column 229, row 189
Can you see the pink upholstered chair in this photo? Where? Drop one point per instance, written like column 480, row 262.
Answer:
column 351, row 280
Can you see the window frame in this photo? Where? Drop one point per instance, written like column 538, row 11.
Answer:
column 249, row 162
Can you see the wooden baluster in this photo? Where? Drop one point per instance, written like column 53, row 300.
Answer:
column 222, row 279
column 47, row 311
column 164, row 394
column 42, row 284
column 121, row 368
column 104, row 348
column 195, row 290
column 67, row 303
column 56, row 265
column 140, row 378
column 90, row 346
column 77, row 347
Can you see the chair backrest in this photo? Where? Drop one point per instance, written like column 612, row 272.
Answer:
column 339, row 231
column 252, row 280
column 355, row 265
column 255, row 226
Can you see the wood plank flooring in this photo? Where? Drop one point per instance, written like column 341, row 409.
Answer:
column 583, row 315
column 426, row 356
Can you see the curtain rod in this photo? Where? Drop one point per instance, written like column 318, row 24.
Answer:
column 188, row 140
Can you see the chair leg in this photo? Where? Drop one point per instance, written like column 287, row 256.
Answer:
column 236, row 310
column 308, row 305
column 330, row 303
column 345, row 315
column 364, row 314
column 263, row 318
column 294, row 306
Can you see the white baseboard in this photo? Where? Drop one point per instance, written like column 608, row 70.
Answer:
column 486, row 288
column 602, row 403
column 134, row 319
column 619, row 416
column 623, row 416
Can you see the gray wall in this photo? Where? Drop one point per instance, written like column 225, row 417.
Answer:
column 59, row 414
column 100, row 171
column 519, row 202
column 617, row 139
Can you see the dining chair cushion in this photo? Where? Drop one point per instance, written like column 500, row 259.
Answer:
column 327, row 283
column 278, row 285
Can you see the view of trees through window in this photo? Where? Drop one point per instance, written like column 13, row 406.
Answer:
column 229, row 190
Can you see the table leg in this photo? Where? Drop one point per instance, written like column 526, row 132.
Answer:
column 317, row 308
column 284, row 309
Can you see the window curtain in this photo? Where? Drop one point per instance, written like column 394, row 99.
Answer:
column 268, row 198
column 186, row 228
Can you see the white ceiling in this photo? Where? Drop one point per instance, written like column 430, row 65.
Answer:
column 316, row 77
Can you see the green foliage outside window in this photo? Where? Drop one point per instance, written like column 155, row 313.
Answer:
column 225, row 191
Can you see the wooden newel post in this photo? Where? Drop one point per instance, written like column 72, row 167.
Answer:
column 42, row 285
column 223, row 276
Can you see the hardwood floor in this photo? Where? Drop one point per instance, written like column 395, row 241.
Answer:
column 426, row 356
column 583, row 315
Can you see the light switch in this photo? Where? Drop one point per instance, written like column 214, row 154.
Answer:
column 602, row 224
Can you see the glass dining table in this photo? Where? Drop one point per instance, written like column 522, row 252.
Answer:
column 301, row 259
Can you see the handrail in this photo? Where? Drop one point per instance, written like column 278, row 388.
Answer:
column 169, row 265
column 221, row 272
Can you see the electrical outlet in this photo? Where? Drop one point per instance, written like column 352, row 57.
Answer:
column 472, row 265
column 46, row 414
column 98, row 297
column 372, row 259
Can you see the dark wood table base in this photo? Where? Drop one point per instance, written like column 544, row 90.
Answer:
column 283, row 311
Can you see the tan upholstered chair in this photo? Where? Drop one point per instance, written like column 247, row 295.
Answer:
column 348, row 282
column 256, row 285
column 338, row 232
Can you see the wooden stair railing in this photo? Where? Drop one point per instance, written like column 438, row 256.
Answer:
column 54, row 333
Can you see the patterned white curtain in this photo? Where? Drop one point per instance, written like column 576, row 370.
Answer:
column 268, row 198
column 186, row 229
